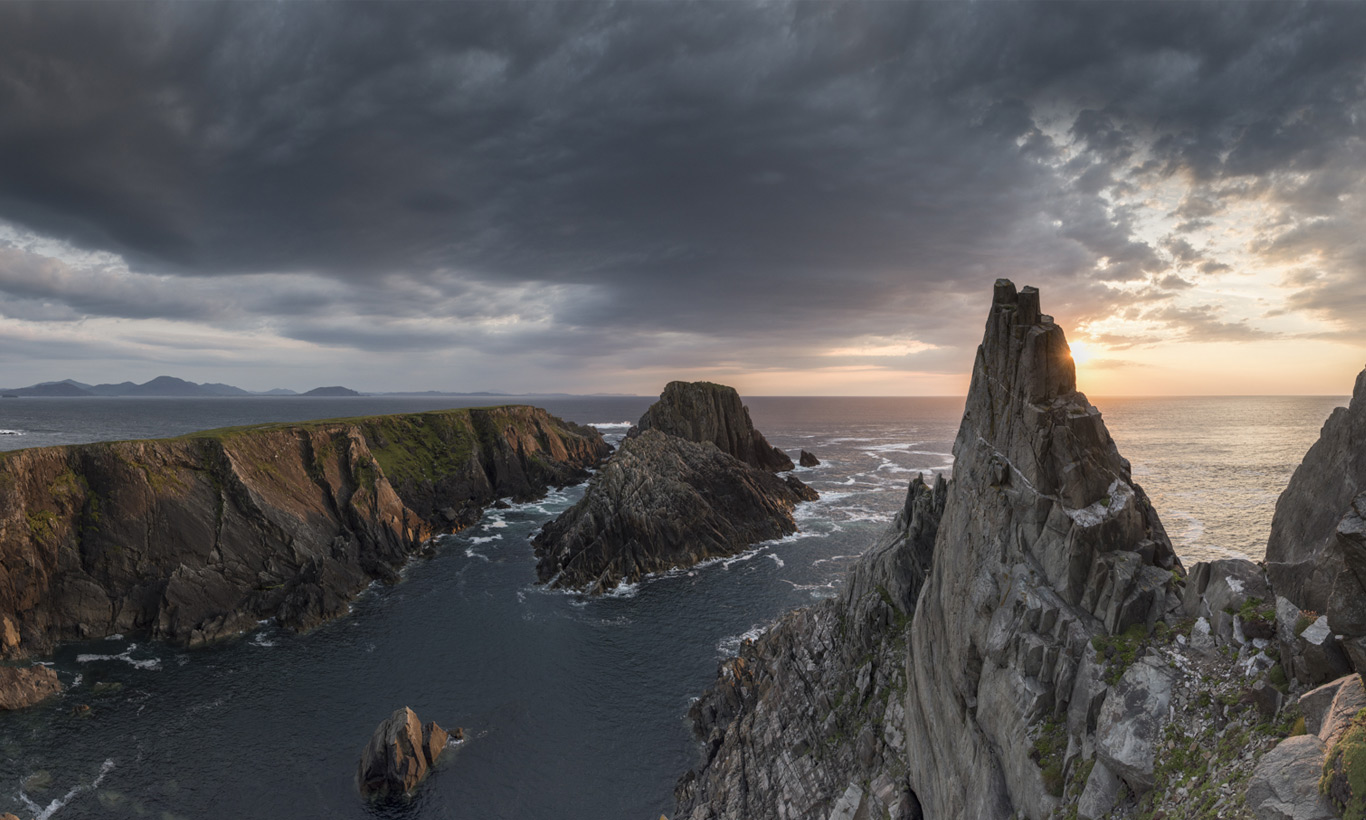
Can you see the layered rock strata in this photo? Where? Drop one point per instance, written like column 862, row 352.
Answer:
column 1045, row 542
column 706, row 412
column 200, row 537
column 692, row 481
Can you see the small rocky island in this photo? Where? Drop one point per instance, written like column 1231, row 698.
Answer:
column 400, row 754
column 693, row 480
column 200, row 537
column 1022, row 642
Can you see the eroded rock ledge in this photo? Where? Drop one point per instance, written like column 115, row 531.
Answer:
column 200, row 537
column 668, row 500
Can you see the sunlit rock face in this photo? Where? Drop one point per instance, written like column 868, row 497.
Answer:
column 713, row 413
column 1045, row 542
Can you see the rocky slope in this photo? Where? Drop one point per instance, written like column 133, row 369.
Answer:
column 707, row 412
column 200, row 537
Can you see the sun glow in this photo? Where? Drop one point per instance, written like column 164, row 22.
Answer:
column 1081, row 352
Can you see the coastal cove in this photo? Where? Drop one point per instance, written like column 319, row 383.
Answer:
column 573, row 707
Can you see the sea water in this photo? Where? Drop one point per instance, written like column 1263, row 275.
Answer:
column 573, row 707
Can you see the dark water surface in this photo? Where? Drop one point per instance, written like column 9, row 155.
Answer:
column 574, row 707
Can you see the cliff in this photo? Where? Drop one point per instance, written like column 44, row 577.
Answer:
column 707, row 412
column 975, row 665
column 1316, row 555
column 672, row 499
column 200, row 537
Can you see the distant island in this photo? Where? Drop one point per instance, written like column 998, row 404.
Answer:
column 170, row 386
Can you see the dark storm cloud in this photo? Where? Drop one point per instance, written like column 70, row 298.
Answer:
column 762, row 173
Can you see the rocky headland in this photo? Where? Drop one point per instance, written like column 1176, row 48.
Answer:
column 694, row 480
column 400, row 754
column 1023, row 642
column 196, row 538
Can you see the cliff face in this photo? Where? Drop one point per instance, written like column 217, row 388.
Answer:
column 199, row 537
column 808, row 722
column 706, row 412
column 1317, row 531
column 1044, row 542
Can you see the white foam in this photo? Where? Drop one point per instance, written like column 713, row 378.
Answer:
column 125, row 656
column 470, row 553
column 259, row 639
column 776, row 560
column 484, row 539
column 11, row 432
column 612, row 425
column 730, row 646
column 43, row 813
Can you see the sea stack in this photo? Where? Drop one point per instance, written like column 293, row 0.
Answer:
column 956, row 675
column 694, row 480
column 399, row 755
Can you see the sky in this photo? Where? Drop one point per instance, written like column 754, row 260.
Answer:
column 792, row 198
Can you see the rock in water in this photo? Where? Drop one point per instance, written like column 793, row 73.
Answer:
column 21, row 688
column 1316, row 555
column 399, row 755
column 706, row 412
column 808, row 460
column 663, row 502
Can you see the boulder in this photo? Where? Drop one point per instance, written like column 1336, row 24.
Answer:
column 1100, row 794
column 808, row 460
column 1130, row 725
column 22, row 687
column 712, row 413
column 1284, row 786
column 399, row 755
column 1349, row 698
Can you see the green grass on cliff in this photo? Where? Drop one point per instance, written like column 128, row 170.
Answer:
column 1344, row 771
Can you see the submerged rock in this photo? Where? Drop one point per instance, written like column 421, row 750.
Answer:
column 663, row 502
column 399, row 755
column 22, row 687
column 808, row 460
column 707, row 412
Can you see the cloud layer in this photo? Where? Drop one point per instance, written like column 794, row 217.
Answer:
column 558, row 195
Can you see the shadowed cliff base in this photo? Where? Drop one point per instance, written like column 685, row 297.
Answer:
column 200, row 537
column 694, row 480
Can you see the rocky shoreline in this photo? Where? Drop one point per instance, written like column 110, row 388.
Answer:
column 198, row 538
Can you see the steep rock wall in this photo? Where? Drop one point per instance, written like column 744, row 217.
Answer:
column 199, row 537
column 707, row 412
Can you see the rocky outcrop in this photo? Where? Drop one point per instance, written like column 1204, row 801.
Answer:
column 399, row 755
column 200, row 537
column 1316, row 555
column 808, row 460
column 1046, row 552
column 809, row 720
column 706, row 412
column 22, row 687
column 663, row 502
column 692, row 481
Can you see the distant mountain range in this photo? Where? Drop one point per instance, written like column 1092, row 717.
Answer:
column 163, row 386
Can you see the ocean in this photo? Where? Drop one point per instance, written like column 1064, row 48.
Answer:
column 573, row 707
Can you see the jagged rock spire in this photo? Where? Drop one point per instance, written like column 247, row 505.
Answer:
column 1045, row 541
